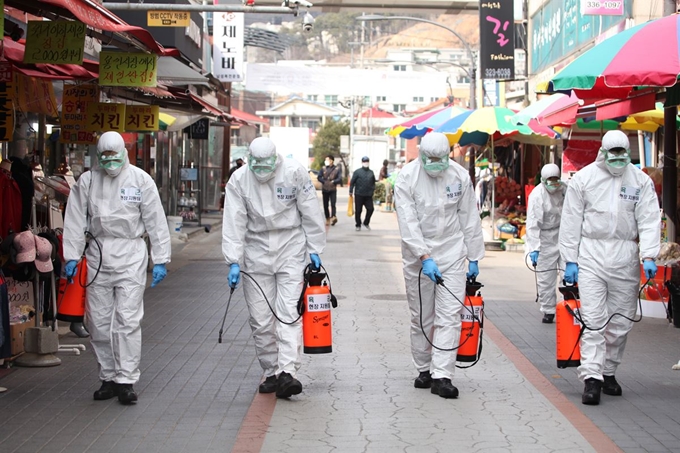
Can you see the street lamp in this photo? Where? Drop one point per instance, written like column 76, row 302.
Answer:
column 472, row 71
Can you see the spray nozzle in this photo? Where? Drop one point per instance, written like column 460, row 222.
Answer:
column 439, row 280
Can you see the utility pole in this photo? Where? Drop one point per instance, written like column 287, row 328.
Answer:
column 670, row 169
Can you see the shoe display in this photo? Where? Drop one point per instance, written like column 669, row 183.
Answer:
column 591, row 392
column 423, row 381
column 611, row 387
column 126, row 394
column 334, row 220
column 287, row 386
column 548, row 318
column 108, row 390
column 444, row 388
column 269, row 385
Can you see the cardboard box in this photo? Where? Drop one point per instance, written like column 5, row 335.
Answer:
column 17, row 333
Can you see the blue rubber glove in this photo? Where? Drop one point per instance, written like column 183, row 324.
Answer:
column 316, row 261
column 234, row 275
column 70, row 270
column 534, row 257
column 571, row 273
column 158, row 274
column 650, row 268
column 431, row 270
column 473, row 270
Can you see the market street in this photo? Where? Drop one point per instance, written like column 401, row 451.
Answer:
column 200, row 396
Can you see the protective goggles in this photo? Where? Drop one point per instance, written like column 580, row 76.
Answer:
column 435, row 163
column 111, row 160
column 262, row 165
column 617, row 157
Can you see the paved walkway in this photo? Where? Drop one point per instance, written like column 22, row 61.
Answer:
column 200, row 396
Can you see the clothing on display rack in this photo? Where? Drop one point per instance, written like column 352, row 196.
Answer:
column 23, row 175
column 10, row 203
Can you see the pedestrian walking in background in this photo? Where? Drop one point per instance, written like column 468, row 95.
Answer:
column 362, row 186
column 330, row 176
column 116, row 202
column 383, row 171
column 610, row 221
column 542, row 236
column 440, row 228
column 271, row 222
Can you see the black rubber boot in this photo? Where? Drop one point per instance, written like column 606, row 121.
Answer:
column 591, row 392
column 108, row 390
column 444, row 388
column 423, row 381
column 269, row 385
column 611, row 387
column 126, row 394
column 79, row 329
column 287, row 386
column 548, row 318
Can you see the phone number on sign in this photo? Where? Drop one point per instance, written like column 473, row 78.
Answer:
column 497, row 73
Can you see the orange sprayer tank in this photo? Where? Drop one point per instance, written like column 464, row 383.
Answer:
column 71, row 297
column 470, row 346
column 568, row 329
column 317, row 331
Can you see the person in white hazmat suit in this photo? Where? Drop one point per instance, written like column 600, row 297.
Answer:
column 116, row 202
column 542, row 233
column 272, row 220
column 440, row 228
column 610, row 221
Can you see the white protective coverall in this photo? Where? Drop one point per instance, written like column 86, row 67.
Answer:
column 542, row 235
column 437, row 216
column 268, row 228
column 602, row 219
column 116, row 211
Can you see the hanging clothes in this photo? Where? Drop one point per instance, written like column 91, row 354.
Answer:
column 10, row 204
column 23, row 175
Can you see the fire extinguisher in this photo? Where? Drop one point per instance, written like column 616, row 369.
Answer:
column 314, row 306
column 569, row 328
column 472, row 324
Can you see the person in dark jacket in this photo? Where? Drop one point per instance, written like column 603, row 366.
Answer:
column 362, row 186
column 383, row 171
column 330, row 176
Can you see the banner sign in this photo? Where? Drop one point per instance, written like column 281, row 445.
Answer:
column 601, row 8
column 74, row 113
column 34, row 95
column 6, row 106
column 104, row 116
column 141, row 117
column 560, row 27
column 125, row 69
column 199, row 129
column 168, row 19
column 59, row 41
column 497, row 39
column 228, row 29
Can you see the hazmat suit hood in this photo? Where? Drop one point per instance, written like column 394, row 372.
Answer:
column 550, row 171
column 434, row 154
column 263, row 159
column 112, row 164
column 615, row 163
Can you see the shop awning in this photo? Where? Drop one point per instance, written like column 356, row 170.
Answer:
column 173, row 72
column 94, row 16
column 214, row 110
column 248, row 117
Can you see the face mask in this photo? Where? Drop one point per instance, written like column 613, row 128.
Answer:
column 264, row 177
column 328, row 163
column 365, row 165
column 551, row 186
column 112, row 164
column 262, row 165
column 616, row 162
column 434, row 165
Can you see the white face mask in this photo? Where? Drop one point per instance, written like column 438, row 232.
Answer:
column 365, row 164
column 264, row 176
column 113, row 172
column 328, row 163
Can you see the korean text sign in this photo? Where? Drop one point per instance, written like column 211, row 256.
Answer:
column 59, row 41
column 228, row 29
column 103, row 116
column 6, row 105
column 74, row 113
column 127, row 69
column 497, row 39
column 141, row 117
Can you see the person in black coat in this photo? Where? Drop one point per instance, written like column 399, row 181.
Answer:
column 362, row 186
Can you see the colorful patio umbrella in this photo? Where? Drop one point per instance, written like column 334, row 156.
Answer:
column 556, row 109
column 475, row 126
column 647, row 55
column 422, row 124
